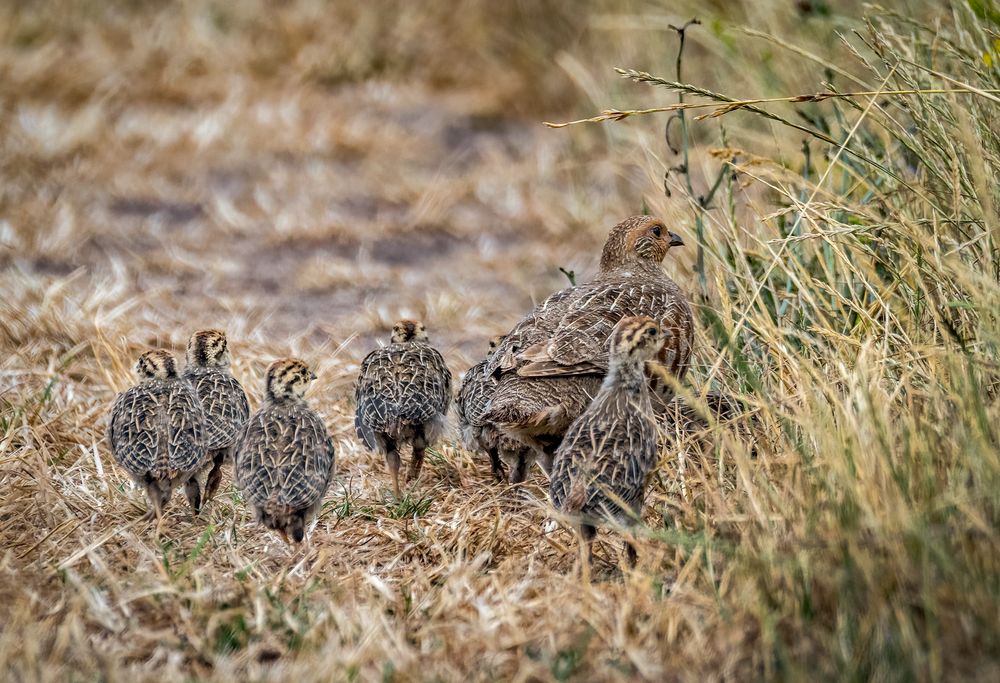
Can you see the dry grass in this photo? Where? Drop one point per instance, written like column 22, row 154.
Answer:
column 305, row 178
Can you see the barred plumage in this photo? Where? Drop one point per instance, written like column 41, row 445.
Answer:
column 554, row 360
column 403, row 393
column 156, row 432
column 222, row 399
column 601, row 466
column 285, row 459
column 536, row 413
column 473, row 401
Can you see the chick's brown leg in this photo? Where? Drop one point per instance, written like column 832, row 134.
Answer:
column 152, row 512
column 417, row 459
column 156, row 502
column 158, row 497
column 297, row 527
column 392, row 459
column 193, row 493
column 631, row 554
column 496, row 466
column 587, row 534
column 547, row 458
column 215, row 474
column 519, row 472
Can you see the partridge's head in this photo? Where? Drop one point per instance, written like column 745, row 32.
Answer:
column 638, row 239
column 288, row 378
column 407, row 331
column 638, row 339
column 208, row 349
column 158, row 364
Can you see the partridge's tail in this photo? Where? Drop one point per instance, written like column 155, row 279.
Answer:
column 529, row 414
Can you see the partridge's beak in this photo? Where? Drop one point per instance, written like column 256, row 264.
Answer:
column 312, row 375
column 675, row 240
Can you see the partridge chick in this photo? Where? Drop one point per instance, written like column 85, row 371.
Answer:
column 470, row 405
column 222, row 398
column 285, row 458
column 403, row 392
column 473, row 401
column 157, row 432
column 601, row 466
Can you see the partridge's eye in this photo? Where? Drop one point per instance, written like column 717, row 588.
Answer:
column 651, row 332
column 657, row 231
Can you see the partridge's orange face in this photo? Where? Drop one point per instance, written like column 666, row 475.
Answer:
column 288, row 377
column 407, row 331
column 208, row 349
column 642, row 238
column 652, row 241
column 158, row 364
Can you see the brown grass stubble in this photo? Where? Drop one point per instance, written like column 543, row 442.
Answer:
column 859, row 539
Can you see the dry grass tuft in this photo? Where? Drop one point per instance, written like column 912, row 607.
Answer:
column 306, row 177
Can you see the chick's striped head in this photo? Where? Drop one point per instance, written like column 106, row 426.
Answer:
column 288, row 378
column 407, row 331
column 208, row 349
column 637, row 338
column 157, row 364
column 638, row 239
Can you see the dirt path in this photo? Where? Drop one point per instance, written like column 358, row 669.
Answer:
column 308, row 216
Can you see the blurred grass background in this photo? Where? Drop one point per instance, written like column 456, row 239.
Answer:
column 304, row 173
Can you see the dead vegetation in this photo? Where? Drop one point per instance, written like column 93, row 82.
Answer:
column 306, row 177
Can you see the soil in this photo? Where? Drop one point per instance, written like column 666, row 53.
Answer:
column 387, row 202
